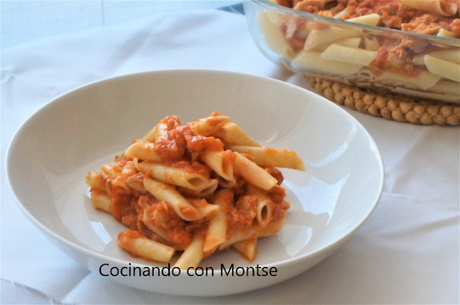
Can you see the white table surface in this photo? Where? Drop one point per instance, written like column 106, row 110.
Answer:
column 406, row 253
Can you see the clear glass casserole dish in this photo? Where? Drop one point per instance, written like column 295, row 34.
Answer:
column 356, row 51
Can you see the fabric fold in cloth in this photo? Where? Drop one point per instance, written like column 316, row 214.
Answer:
column 407, row 252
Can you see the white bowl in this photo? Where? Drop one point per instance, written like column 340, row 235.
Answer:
column 49, row 156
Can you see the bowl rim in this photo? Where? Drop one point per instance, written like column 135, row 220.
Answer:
column 454, row 42
column 116, row 261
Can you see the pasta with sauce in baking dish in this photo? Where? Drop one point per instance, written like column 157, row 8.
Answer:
column 196, row 188
column 388, row 60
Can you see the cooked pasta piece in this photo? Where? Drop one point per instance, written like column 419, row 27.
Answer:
column 101, row 200
column 96, row 181
column 264, row 206
column 424, row 81
column 274, row 36
column 161, row 131
column 220, row 161
column 210, row 125
column 314, row 60
column 349, row 55
column 253, row 173
column 232, row 134
column 192, row 256
column 143, row 151
column 217, row 229
column 445, row 33
column 447, row 55
column 138, row 245
column 441, row 7
column 332, row 34
column 206, row 192
column 443, row 68
column 272, row 157
column 168, row 193
column 247, row 247
column 174, row 175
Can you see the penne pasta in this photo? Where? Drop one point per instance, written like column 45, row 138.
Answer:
column 341, row 15
column 274, row 36
column 101, row 200
column 118, row 185
column 247, row 247
column 161, row 131
column 253, row 173
column 208, row 210
column 143, row 151
column 271, row 229
column 138, row 245
column 314, row 60
column 447, row 55
column 210, row 125
column 332, row 34
column 152, row 227
column 371, row 19
column 447, row 9
column 443, row 68
column 192, row 256
column 217, row 229
column 203, row 207
column 272, row 157
column 168, row 193
column 445, row 33
column 206, row 192
column 352, row 42
column 220, row 161
column 423, row 81
column 264, row 206
column 196, row 198
column 96, row 181
column 349, row 55
column 329, row 35
column 109, row 170
column 232, row 134
column 236, row 237
column 174, row 176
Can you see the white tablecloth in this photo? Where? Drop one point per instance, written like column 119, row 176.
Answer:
column 407, row 252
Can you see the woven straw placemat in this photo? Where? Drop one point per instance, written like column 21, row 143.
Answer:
column 390, row 106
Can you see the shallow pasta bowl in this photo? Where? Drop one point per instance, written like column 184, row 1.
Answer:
column 50, row 155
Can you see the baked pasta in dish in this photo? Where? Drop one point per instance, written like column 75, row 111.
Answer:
column 398, row 62
column 196, row 188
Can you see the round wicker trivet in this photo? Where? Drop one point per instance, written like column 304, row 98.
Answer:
column 399, row 108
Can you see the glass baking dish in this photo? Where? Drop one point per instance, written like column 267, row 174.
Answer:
column 346, row 51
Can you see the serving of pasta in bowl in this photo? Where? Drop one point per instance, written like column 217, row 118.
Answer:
column 404, row 47
column 215, row 189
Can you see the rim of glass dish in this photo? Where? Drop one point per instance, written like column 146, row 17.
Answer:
column 454, row 42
